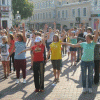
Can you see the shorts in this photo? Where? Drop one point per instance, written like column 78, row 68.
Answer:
column 73, row 49
column 56, row 64
column 4, row 58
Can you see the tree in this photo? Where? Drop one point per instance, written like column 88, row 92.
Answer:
column 24, row 7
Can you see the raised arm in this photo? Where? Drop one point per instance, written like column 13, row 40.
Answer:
column 23, row 25
column 96, row 35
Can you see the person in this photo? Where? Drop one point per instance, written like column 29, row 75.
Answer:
column 12, row 43
column 73, row 40
column 20, row 60
column 4, row 48
column 38, row 60
column 56, row 55
column 64, row 46
column 87, row 60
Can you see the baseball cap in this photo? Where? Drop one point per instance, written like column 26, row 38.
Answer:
column 38, row 39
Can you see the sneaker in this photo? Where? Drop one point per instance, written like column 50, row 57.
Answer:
column 90, row 90
column 24, row 81
column 36, row 90
column 84, row 90
column 17, row 81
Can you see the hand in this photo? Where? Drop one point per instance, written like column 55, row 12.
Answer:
column 63, row 43
column 46, row 60
column 15, row 27
column 8, row 58
column 54, row 23
column 97, row 22
column 80, row 25
column 23, row 24
column 19, row 53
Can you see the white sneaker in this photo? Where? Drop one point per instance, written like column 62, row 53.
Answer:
column 17, row 81
column 90, row 90
column 84, row 90
column 24, row 81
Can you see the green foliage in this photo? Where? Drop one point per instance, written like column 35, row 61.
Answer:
column 24, row 7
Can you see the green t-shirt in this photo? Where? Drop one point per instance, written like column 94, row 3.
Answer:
column 73, row 41
column 88, row 51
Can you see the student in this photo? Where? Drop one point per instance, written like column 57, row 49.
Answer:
column 56, row 56
column 38, row 60
column 20, row 60
column 4, row 48
column 87, row 60
column 12, row 43
column 73, row 40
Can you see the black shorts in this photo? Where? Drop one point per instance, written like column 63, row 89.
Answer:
column 56, row 64
column 73, row 49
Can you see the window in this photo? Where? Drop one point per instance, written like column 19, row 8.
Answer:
column 35, row 16
column 58, row 14
column 46, row 15
column 78, row 12
column 43, row 15
column 73, row 12
column 49, row 14
column 49, row 3
column 71, row 24
column 3, row 2
column 63, row 14
column 95, row 2
column 38, row 16
column 84, row 11
column 66, row 14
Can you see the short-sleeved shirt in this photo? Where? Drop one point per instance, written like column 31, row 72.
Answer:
column 73, row 41
column 88, row 51
column 38, row 52
column 4, row 49
column 12, row 43
column 20, row 46
column 55, row 48
column 51, row 37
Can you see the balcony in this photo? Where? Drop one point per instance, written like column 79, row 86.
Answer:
column 4, row 9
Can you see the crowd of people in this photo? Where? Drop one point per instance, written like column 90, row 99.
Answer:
column 48, row 44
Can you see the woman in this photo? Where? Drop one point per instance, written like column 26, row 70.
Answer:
column 20, row 60
column 56, row 56
column 38, row 60
column 73, row 40
column 87, row 60
column 12, row 43
column 4, row 48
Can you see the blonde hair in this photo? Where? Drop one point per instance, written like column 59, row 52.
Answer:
column 5, row 37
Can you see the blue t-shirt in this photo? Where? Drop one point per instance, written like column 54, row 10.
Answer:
column 20, row 46
column 73, row 41
column 88, row 51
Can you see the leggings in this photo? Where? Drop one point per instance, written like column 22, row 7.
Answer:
column 20, row 65
column 12, row 57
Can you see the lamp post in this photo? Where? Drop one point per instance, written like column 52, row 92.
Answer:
column 18, row 18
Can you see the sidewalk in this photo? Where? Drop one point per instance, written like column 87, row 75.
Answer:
column 69, row 87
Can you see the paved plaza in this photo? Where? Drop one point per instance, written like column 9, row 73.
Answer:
column 69, row 87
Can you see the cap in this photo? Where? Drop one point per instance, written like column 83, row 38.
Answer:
column 38, row 39
column 73, row 32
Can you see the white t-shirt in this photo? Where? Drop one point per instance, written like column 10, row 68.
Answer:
column 32, row 39
column 51, row 37
column 4, row 49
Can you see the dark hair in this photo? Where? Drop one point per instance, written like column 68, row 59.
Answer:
column 90, row 36
column 38, row 33
column 57, row 38
column 89, row 28
column 11, row 36
column 21, row 36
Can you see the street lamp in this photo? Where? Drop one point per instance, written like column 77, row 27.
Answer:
column 18, row 18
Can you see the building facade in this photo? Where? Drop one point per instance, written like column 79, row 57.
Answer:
column 5, row 13
column 66, row 13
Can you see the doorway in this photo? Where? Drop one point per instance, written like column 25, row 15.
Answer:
column 4, row 24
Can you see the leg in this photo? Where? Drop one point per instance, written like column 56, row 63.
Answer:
column 8, row 67
column 41, row 70
column 96, row 69
column 23, row 67
column 36, row 75
column 10, row 63
column 74, row 54
column 83, row 70
column 17, row 67
column 4, row 67
column 90, row 74
column 58, row 68
column 71, row 57
column 13, row 61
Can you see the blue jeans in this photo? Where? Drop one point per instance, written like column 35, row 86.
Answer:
column 84, row 66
